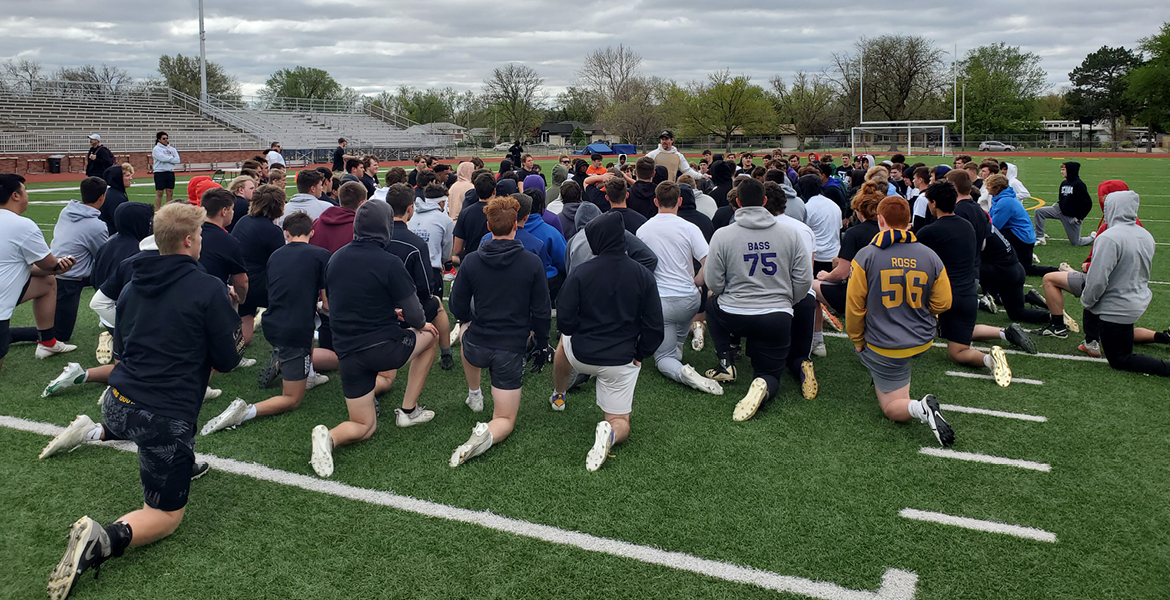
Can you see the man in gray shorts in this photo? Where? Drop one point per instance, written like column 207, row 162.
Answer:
column 1055, row 284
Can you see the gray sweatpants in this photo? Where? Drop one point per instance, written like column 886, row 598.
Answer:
column 1071, row 226
column 677, row 313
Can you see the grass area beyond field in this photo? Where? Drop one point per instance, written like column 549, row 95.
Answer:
column 806, row 489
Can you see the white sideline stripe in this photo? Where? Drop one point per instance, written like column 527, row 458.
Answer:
column 1006, row 350
column 979, row 525
column 992, row 413
column 985, row 376
column 985, row 458
column 897, row 584
column 1066, row 239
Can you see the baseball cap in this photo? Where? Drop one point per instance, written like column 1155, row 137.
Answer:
column 94, row 136
column 666, row 134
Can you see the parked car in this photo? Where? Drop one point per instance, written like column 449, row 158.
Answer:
column 996, row 147
column 504, row 147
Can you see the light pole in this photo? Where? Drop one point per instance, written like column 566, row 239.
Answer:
column 963, row 141
column 202, row 57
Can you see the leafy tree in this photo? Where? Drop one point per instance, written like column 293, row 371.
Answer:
column 1148, row 83
column 1050, row 106
column 904, row 78
column 577, row 137
column 643, row 114
column 23, row 73
column 573, row 104
column 1002, row 86
column 725, row 105
column 1099, row 87
column 182, row 73
column 514, row 94
column 302, row 82
column 809, row 104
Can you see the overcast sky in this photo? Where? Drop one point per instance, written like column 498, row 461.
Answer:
column 373, row 45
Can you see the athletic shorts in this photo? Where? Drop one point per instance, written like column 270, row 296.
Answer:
column 437, row 281
column 4, row 342
column 294, row 363
column 166, row 450
column 958, row 324
column 1076, row 283
column 506, row 368
column 431, row 308
column 615, row 384
column 164, row 180
column 359, row 370
column 819, row 266
column 834, row 294
column 889, row 374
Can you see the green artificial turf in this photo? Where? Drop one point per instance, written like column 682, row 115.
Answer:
column 806, row 488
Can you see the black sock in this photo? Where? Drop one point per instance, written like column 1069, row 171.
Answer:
column 1162, row 337
column 120, row 536
column 44, row 335
column 445, row 351
column 409, row 410
column 1056, row 320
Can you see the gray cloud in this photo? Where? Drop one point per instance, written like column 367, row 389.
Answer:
column 375, row 45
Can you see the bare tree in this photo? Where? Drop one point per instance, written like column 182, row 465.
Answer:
column 105, row 79
column 611, row 74
column 22, row 73
column 809, row 104
column 727, row 105
column 515, row 95
column 904, row 75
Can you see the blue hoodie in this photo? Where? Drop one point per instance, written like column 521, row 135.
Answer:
column 554, row 242
column 1007, row 214
column 80, row 233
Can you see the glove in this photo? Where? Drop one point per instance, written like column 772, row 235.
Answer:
column 540, row 357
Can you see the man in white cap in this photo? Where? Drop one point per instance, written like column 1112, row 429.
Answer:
column 668, row 156
column 99, row 159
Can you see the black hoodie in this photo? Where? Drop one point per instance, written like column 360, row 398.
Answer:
column 642, row 199
column 721, row 175
column 175, row 324
column 115, row 197
column 610, row 305
column 502, row 291
column 688, row 210
column 134, row 223
column 365, row 283
column 97, row 167
column 1074, row 201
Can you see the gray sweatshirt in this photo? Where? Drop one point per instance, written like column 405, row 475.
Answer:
column 578, row 252
column 79, row 233
column 305, row 203
column 756, row 265
column 431, row 223
column 1117, row 285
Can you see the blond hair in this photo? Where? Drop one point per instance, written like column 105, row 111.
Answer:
column 175, row 222
column 127, row 168
column 996, row 183
column 238, row 182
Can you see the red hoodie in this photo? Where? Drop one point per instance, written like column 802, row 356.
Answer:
column 1106, row 188
column 333, row 229
column 197, row 186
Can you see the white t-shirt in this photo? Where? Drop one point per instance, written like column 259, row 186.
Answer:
column 275, row 157
column 21, row 245
column 675, row 241
column 705, row 204
column 824, row 217
column 806, row 235
column 921, row 206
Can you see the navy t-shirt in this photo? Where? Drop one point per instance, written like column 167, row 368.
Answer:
column 953, row 239
column 296, row 275
column 364, row 283
column 221, row 254
column 259, row 237
column 240, row 211
column 338, row 159
column 471, row 226
column 856, row 238
column 631, row 218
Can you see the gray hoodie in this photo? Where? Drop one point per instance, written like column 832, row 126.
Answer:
column 431, row 223
column 1117, row 285
column 795, row 207
column 305, row 203
column 578, row 250
column 80, row 233
column 756, row 265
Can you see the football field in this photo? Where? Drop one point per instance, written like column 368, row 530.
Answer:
column 1056, row 487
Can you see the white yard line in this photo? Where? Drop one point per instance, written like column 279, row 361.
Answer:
column 896, row 583
column 985, row 376
column 992, row 413
column 979, row 525
column 1075, row 357
column 985, row 458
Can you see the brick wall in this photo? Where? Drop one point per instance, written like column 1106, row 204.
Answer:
column 26, row 164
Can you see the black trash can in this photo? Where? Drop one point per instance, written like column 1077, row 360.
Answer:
column 55, row 163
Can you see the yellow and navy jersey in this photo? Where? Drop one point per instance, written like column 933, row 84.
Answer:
column 897, row 288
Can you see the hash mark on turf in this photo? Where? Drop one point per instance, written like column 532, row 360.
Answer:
column 985, row 458
column 985, row 376
column 897, row 584
column 1077, row 357
column 993, row 413
column 979, row 525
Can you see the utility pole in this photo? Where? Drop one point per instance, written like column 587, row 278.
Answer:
column 963, row 142
column 202, row 56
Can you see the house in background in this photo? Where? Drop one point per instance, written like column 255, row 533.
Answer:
column 558, row 134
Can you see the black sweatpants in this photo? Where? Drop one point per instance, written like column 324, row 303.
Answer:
column 68, row 300
column 1008, row 286
column 769, row 338
column 803, row 320
column 1117, row 346
column 1024, row 255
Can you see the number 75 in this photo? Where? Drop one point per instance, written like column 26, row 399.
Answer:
column 766, row 259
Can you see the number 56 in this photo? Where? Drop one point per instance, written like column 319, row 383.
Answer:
column 894, row 281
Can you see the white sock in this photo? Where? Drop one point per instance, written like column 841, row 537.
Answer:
column 917, row 410
column 987, row 362
column 94, row 434
column 251, row 414
column 818, row 337
column 312, row 373
column 84, row 377
column 476, row 393
column 1003, row 334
